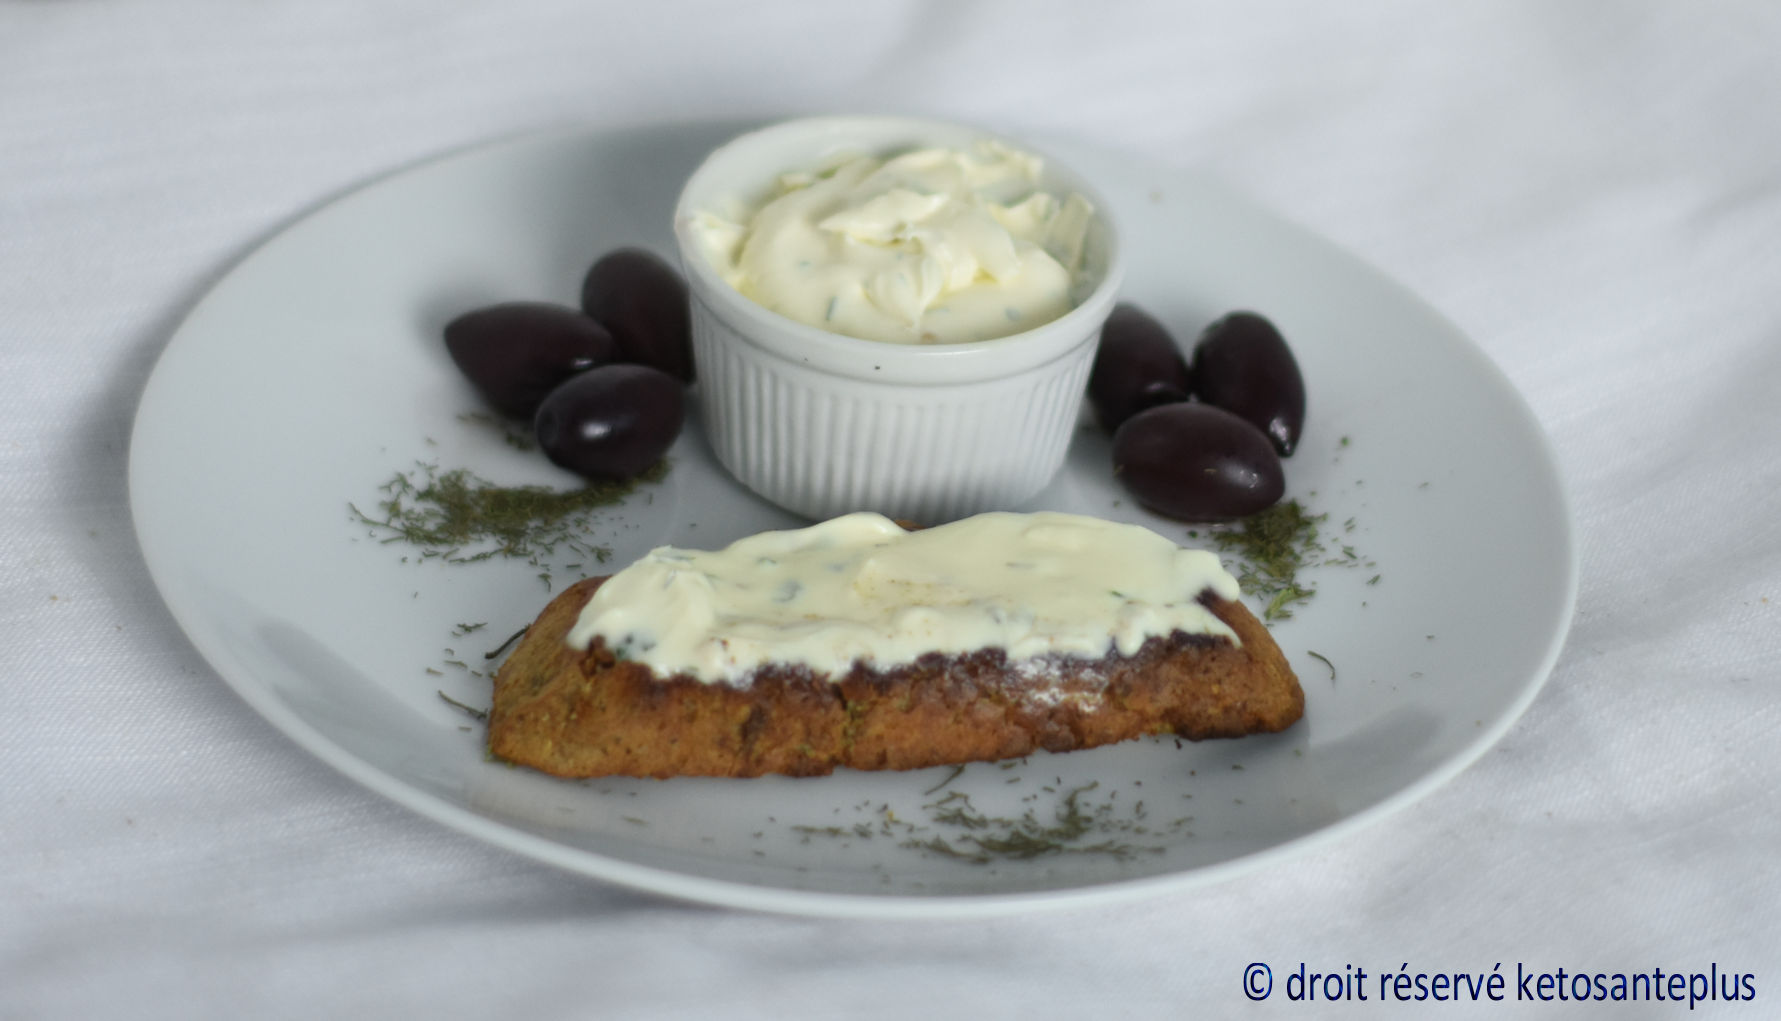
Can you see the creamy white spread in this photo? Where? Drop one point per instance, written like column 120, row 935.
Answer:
column 935, row 246
column 859, row 588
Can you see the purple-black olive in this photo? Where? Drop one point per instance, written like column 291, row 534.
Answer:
column 643, row 301
column 1242, row 364
column 611, row 422
column 1136, row 367
column 517, row 352
column 1196, row 462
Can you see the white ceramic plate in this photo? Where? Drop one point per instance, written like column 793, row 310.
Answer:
column 314, row 371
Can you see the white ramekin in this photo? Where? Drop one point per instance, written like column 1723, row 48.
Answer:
column 824, row 424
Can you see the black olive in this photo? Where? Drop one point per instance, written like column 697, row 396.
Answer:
column 643, row 301
column 1137, row 366
column 611, row 422
column 1197, row 463
column 516, row 353
column 1242, row 364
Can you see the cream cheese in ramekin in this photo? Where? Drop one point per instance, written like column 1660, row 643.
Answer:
column 859, row 588
column 822, row 423
column 933, row 246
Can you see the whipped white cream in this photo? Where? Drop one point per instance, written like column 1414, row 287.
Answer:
column 861, row 588
column 935, row 246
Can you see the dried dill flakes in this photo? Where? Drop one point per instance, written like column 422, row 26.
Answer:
column 1326, row 662
column 956, row 828
column 473, row 712
column 459, row 517
column 1075, row 828
column 499, row 649
column 1273, row 546
column 950, row 777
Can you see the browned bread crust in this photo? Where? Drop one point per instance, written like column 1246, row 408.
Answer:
column 579, row 714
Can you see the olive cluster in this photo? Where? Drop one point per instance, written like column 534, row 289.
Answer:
column 1199, row 442
column 602, row 385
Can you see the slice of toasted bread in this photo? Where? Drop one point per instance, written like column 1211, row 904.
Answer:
column 585, row 713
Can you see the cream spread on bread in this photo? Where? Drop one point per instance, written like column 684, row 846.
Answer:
column 860, row 588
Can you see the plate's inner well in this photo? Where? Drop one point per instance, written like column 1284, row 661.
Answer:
column 1443, row 586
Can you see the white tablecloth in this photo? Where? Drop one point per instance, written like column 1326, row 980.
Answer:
column 1591, row 190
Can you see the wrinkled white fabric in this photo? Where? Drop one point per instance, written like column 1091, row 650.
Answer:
column 1592, row 190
